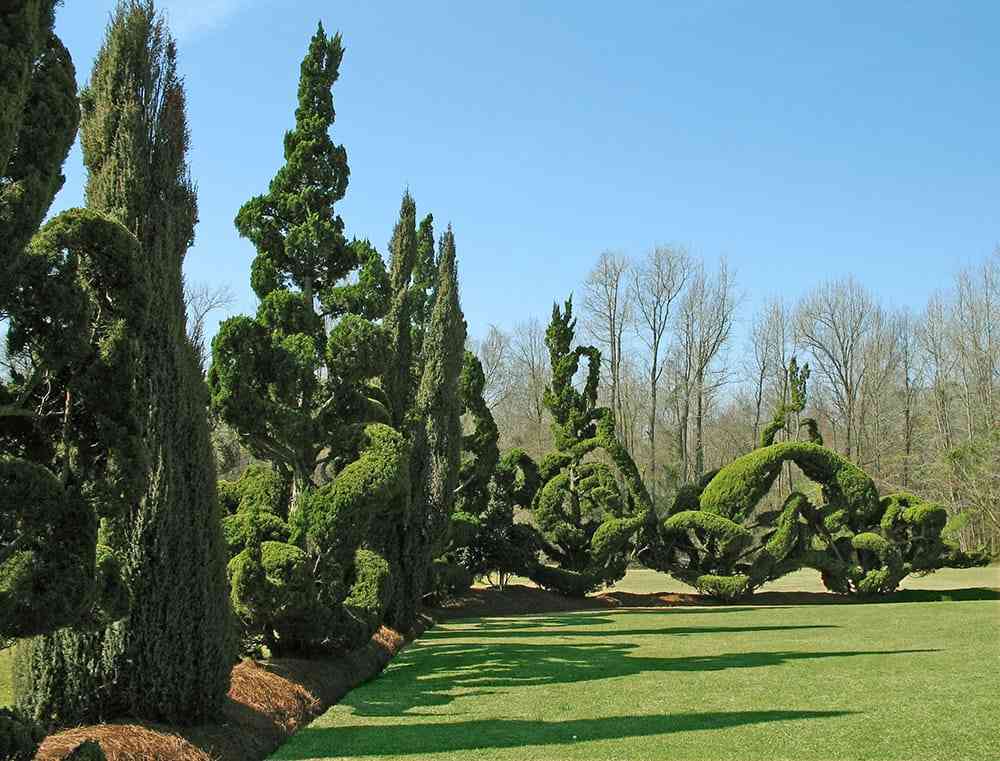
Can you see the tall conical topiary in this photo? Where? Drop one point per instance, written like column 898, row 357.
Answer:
column 425, row 275
column 398, row 322
column 168, row 659
column 437, row 437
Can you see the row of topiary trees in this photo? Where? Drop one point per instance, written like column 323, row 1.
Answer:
column 131, row 577
column 591, row 515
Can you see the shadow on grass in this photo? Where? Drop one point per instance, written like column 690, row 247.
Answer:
column 512, row 633
column 436, row 674
column 430, row 738
column 785, row 599
column 588, row 618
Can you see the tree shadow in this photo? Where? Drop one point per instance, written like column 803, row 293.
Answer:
column 786, row 599
column 436, row 674
column 504, row 633
column 431, row 738
column 588, row 618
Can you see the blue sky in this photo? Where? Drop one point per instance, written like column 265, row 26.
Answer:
column 803, row 141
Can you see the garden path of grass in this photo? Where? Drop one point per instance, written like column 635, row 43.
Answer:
column 894, row 682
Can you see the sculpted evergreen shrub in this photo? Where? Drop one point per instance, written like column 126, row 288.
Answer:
column 75, row 298
column 168, row 658
column 436, row 437
column 587, row 512
column 726, row 547
column 315, row 387
column 456, row 566
column 75, row 295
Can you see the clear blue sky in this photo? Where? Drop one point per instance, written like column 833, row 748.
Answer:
column 803, row 141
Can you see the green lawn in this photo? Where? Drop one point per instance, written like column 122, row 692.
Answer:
column 899, row 681
column 6, row 676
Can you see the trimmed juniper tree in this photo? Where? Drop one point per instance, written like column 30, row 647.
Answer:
column 287, row 379
column 587, row 509
column 398, row 378
column 304, row 385
column 168, row 658
column 38, row 122
column 74, row 299
column 437, row 437
column 717, row 538
column 425, row 274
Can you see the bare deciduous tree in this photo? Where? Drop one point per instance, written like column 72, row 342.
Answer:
column 494, row 353
column 656, row 283
column 705, row 321
column 199, row 302
column 608, row 309
column 832, row 323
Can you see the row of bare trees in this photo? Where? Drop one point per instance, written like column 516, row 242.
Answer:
column 910, row 393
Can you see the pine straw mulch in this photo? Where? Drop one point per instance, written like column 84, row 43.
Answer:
column 266, row 703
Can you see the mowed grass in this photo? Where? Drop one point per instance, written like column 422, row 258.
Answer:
column 888, row 681
column 6, row 677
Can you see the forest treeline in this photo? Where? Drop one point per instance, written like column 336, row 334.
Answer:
column 908, row 393
column 371, row 462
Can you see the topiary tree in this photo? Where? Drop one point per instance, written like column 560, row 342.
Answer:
column 295, row 381
column 499, row 547
column 168, row 659
column 38, row 121
column 455, row 566
column 311, row 386
column 75, row 299
column 70, row 425
column 587, row 512
column 716, row 539
column 436, row 436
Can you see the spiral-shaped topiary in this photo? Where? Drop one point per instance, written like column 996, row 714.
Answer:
column 587, row 511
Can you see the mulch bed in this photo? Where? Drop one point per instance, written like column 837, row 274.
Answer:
column 266, row 703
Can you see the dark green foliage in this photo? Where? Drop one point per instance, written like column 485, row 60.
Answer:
column 86, row 751
column 168, row 659
column 75, row 301
column 19, row 738
column 48, row 579
column 273, row 594
column 437, row 439
column 479, row 447
column 399, row 385
column 313, row 585
column 483, row 539
column 425, row 276
column 450, row 579
column 587, row 512
column 295, row 381
column 726, row 547
column 38, row 121
column 737, row 488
